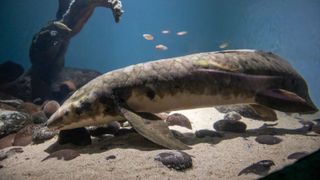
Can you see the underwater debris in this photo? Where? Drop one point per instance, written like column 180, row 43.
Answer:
column 77, row 136
column 161, row 47
column 268, row 139
column 64, row 154
column 182, row 33
column 179, row 120
column 298, row 155
column 165, row 32
column 260, row 168
column 177, row 160
column 148, row 37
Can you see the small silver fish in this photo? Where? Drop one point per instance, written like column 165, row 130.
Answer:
column 182, row 33
column 148, row 37
column 223, row 45
column 165, row 32
column 161, row 47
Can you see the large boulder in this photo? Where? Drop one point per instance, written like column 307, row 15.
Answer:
column 12, row 121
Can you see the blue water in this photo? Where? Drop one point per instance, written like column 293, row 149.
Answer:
column 290, row 28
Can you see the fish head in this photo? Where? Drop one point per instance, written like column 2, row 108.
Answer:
column 83, row 111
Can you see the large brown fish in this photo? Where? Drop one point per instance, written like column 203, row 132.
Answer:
column 193, row 81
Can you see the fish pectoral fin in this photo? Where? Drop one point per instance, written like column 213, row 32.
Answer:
column 284, row 100
column 264, row 112
column 153, row 128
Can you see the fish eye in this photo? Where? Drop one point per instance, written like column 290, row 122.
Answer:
column 66, row 113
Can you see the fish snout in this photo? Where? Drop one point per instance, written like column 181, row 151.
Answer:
column 55, row 122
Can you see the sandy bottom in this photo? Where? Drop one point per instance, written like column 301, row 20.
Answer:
column 213, row 158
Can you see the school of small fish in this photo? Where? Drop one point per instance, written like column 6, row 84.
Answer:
column 162, row 47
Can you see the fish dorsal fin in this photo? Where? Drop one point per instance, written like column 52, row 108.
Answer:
column 284, row 100
column 153, row 128
column 265, row 113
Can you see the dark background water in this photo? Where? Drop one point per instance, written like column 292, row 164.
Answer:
column 290, row 28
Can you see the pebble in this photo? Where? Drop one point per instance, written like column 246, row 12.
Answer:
column 50, row 107
column 42, row 134
column 307, row 124
column 316, row 128
column 78, row 136
column 39, row 117
column 232, row 116
column 7, row 107
column 65, row 154
column 177, row 160
column 28, row 108
column 260, row 168
column 163, row 115
column 298, row 155
column 230, row 126
column 24, row 136
column 7, row 141
column 268, row 139
column 205, row 132
column 111, row 157
column 179, row 120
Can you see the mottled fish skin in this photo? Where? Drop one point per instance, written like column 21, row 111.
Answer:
column 197, row 80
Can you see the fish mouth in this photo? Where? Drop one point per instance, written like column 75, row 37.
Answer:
column 55, row 122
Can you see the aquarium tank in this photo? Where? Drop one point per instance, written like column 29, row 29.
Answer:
column 54, row 55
